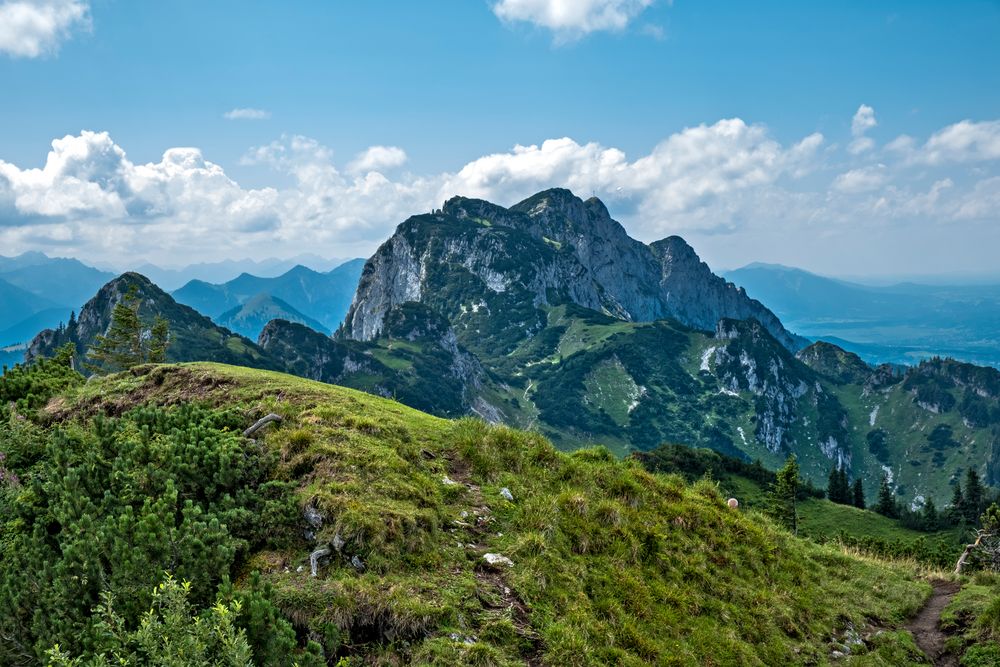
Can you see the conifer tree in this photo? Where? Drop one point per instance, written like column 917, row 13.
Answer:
column 858, row 494
column 929, row 516
column 843, row 486
column 121, row 346
column 159, row 340
column 956, row 511
column 833, row 486
column 784, row 492
column 973, row 497
column 838, row 487
column 886, row 505
column 72, row 335
column 128, row 342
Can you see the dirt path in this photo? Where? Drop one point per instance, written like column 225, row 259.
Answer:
column 926, row 626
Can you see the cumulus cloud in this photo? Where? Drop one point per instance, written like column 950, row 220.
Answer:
column 729, row 179
column 864, row 120
column 982, row 203
column 377, row 158
column 247, row 114
column 966, row 141
column 864, row 179
column 571, row 18
column 33, row 28
column 687, row 179
column 88, row 183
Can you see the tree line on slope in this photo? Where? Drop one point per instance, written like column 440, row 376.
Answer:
column 964, row 510
column 784, row 491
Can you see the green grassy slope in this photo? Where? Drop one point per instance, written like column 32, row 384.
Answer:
column 609, row 564
column 819, row 519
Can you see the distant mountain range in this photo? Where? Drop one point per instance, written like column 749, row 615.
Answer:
column 38, row 292
column 318, row 300
column 250, row 318
column 901, row 323
column 219, row 272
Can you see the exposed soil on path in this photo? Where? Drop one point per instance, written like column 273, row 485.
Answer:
column 926, row 626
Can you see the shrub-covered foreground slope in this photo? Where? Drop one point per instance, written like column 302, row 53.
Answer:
column 608, row 563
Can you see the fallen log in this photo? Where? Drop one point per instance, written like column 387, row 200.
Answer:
column 261, row 423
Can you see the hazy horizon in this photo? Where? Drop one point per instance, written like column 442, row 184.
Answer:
column 320, row 263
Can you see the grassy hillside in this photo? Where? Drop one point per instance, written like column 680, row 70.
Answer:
column 608, row 563
column 926, row 429
column 819, row 519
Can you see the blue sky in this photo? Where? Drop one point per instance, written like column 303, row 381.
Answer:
column 439, row 85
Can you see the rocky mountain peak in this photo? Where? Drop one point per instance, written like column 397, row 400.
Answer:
column 597, row 209
column 555, row 202
column 675, row 250
column 464, row 208
column 559, row 215
column 552, row 245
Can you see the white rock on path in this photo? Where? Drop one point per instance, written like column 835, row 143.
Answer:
column 497, row 559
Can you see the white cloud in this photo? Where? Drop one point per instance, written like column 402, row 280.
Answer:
column 378, row 157
column 729, row 179
column 966, row 141
column 572, row 18
column 33, row 28
column 911, row 203
column 983, row 203
column 691, row 179
column 901, row 145
column 247, row 114
column 89, row 177
column 864, row 120
column 864, row 179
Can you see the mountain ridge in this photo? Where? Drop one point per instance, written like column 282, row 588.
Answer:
column 553, row 241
